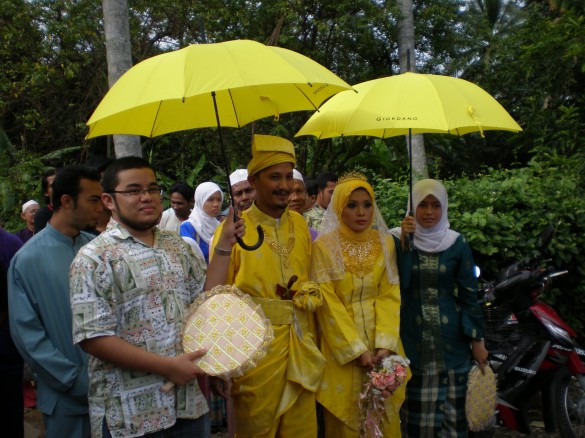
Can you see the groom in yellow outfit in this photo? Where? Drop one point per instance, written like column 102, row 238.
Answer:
column 277, row 398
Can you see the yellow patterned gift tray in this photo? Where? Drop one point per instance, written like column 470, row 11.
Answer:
column 231, row 328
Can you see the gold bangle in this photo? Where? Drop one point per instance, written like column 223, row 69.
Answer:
column 222, row 252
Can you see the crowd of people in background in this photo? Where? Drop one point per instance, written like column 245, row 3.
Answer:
column 95, row 286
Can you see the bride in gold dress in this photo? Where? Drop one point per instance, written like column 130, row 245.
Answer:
column 354, row 262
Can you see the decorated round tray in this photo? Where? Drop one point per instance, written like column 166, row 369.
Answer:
column 231, row 328
column 481, row 399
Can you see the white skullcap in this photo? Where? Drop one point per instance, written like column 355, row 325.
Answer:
column 28, row 204
column 238, row 175
column 298, row 175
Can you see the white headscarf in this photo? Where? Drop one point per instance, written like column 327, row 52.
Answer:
column 204, row 224
column 437, row 238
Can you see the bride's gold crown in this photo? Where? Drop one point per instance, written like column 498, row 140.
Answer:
column 350, row 176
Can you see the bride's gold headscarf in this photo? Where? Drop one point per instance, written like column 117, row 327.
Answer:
column 348, row 250
column 361, row 249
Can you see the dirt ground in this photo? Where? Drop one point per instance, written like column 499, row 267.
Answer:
column 33, row 423
column 537, row 428
column 536, row 422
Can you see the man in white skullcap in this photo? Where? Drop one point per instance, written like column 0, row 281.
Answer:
column 298, row 198
column 29, row 210
column 243, row 193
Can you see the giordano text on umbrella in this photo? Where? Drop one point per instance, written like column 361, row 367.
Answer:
column 381, row 119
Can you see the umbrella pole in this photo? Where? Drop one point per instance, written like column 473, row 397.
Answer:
column 227, row 174
column 409, row 243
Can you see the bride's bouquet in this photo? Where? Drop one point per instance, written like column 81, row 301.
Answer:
column 384, row 379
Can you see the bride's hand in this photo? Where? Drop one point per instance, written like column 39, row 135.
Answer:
column 367, row 360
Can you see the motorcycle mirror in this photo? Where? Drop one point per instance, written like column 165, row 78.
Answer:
column 546, row 236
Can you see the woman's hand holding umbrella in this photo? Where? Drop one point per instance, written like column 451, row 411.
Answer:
column 408, row 227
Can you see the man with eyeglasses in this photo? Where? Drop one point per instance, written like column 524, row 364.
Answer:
column 40, row 308
column 242, row 191
column 130, row 292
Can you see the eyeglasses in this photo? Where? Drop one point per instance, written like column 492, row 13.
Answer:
column 137, row 193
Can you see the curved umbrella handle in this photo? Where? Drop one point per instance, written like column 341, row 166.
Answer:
column 227, row 174
column 256, row 245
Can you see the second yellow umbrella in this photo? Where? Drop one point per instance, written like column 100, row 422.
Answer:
column 406, row 104
column 409, row 103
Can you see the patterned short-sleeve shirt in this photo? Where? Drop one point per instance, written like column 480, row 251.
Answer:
column 314, row 217
column 122, row 287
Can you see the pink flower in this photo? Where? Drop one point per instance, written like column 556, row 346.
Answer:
column 400, row 371
column 378, row 380
column 388, row 380
column 383, row 381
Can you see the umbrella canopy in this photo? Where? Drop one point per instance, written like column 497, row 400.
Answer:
column 409, row 103
column 242, row 80
column 213, row 85
column 406, row 104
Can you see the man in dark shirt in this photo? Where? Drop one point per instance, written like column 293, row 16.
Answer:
column 11, row 364
column 29, row 211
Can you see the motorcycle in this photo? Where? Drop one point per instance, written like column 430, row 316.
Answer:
column 532, row 349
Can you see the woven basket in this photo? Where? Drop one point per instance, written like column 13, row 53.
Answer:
column 480, row 403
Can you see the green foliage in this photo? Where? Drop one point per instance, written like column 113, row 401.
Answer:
column 534, row 67
column 48, row 75
column 20, row 180
column 54, row 70
column 20, row 177
column 502, row 214
column 391, row 198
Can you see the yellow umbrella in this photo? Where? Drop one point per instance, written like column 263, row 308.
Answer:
column 406, row 104
column 409, row 103
column 240, row 80
column 213, row 85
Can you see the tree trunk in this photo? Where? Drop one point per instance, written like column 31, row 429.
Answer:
column 406, row 56
column 119, row 55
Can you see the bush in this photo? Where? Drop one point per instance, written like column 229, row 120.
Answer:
column 20, row 180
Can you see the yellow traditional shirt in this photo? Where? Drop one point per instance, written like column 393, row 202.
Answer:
column 293, row 362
